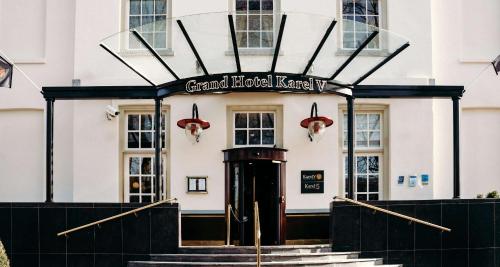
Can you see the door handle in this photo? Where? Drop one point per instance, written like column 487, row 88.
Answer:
column 282, row 199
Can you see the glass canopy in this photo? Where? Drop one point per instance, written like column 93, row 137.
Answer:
column 343, row 52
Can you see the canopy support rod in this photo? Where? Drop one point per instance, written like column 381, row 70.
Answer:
column 347, row 86
column 125, row 63
column 320, row 45
column 235, row 44
column 155, row 54
column 379, row 65
column 354, row 54
column 278, row 42
column 193, row 48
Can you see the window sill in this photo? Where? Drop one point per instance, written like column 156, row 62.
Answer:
column 364, row 53
column 143, row 52
column 253, row 52
column 197, row 192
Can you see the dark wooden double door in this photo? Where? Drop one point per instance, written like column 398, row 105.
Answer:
column 256, row 175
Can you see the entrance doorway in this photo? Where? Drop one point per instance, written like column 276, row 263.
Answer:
column 256, row 175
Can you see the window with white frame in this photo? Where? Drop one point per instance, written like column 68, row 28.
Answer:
column 139, row 158
column 368, row 155
column 254, row 128
column 255, row 23
column 149, row 18
column 359, row 18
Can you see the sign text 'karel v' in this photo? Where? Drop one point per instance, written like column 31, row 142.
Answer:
column 264, row 82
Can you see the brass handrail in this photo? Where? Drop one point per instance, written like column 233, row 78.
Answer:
column 394, row 213
column 228, row 225
column 115, row 216
column 257, row 231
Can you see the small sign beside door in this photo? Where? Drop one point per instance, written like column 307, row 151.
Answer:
column 312, row 182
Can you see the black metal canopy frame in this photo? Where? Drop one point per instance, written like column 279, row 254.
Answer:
column 268, row 81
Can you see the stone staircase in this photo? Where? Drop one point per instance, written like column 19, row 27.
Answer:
column 293, row 256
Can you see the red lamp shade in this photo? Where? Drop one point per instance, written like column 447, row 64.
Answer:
column 194, row 126
column 315, row 124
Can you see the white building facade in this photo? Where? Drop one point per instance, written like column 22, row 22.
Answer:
column 109, row 159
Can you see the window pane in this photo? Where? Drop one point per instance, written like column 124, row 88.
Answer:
column 267, row 39
column 254, row 23
column 146, row 140
column 160, row 40
column 146, row 184
column 253, row 120
column 254, row 5
column 146, row 166
column 163, row 121
column 372, row 20
column 133, row 122
column 361, row 165
column 133, row 140
column 361, row 122
column 362, row 184
column 253, row 39
column 134, row 199
column 163, row 140
column 347, row 6
column 241, row 22
column 372, row 7
column 161, row 7
column 134, row 184
column 348, row 40
column 267, row 5
column 373, row 196
column 146, row 122
column 254, row 137
column 147, row 24
column 241, row 5
column 373, row 183
column 134, row 165
column 361, row 197
column 374, row 121
column 348, row 23
column 267, row 137
column 135, row 7
column 242, row 39
column 240, row 137
column 360, row 7
column 147, row 6
column 240, row 120
column 361, row 37
column 267, row 22
column 361, row 139
column 373, row 164
column 375, row 139
column 267, row 120
column 346, row 184
column 134, row 22
column 160, row 23
column 361, row 19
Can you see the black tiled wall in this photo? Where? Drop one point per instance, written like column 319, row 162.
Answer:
column 473, row 242
column 28, row 231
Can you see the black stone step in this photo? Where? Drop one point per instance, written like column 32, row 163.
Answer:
column 334, row 263
column 252, row 250
column 251, row 257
